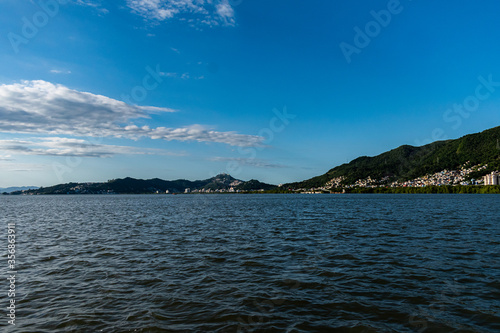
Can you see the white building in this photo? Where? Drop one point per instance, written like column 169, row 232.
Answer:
column 492, row 179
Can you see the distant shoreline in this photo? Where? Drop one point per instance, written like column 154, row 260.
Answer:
column 444, row 189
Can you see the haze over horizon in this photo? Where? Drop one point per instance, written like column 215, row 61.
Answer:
column 278, row 91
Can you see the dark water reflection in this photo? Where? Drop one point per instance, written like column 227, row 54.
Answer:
column 256, row 263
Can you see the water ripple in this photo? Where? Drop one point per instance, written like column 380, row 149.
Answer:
column 264, row 263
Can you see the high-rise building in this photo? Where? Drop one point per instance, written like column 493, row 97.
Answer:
column 492, row 179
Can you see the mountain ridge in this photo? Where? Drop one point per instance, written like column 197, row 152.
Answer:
column 128, row 185
column 17, row 188
column 477, row 153
column 408, row 162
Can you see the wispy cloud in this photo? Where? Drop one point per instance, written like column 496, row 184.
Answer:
column 183, row 76
column 225, row 12
column 5, row 158
column 96, row 4
column 53, row 109
column 169, row 74
column 59, row 71
column 155, row 109
column 259, row 163
column 57, row 146
column 205, row 12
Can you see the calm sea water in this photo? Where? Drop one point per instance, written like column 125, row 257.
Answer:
column 255, row 263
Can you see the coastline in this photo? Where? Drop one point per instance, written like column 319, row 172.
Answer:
column 444, row 189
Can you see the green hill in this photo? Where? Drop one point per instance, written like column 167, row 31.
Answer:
column 409, row 162
column 254, row 185
column 403, row 163
column 140, row 186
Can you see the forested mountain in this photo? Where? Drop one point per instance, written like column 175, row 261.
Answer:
column 222, row 182
column 409, row 162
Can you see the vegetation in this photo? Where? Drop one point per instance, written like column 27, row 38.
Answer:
column 139, row 186
column 254, row 185
column 409, row 162
column 429, row 189
column 403, row 163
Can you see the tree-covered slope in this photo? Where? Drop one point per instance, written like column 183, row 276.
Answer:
column 254, row 185
column 140, row 186
column 408, row 162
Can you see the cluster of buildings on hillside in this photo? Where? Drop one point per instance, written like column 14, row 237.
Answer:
column 231, row 188
column 492, row 179
column 445, row 177
column 84, row 189
column 222, row 190
column 335, row 182
column 369, row 182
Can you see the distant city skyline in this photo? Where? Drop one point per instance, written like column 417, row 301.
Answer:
column 278, row 91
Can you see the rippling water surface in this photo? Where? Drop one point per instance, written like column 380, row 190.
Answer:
column 255, row 263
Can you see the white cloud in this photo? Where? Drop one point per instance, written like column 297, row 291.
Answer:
column 5, row 158
column 57, row 146
column 207, row 12
column 183, row 76
column 58, row 71
column 96, row 4
column 155, row 109
column 194, row 133
column 53, row 109
column 225, row 12
column 169, row 74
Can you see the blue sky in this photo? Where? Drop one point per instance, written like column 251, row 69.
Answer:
column 276, row 90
